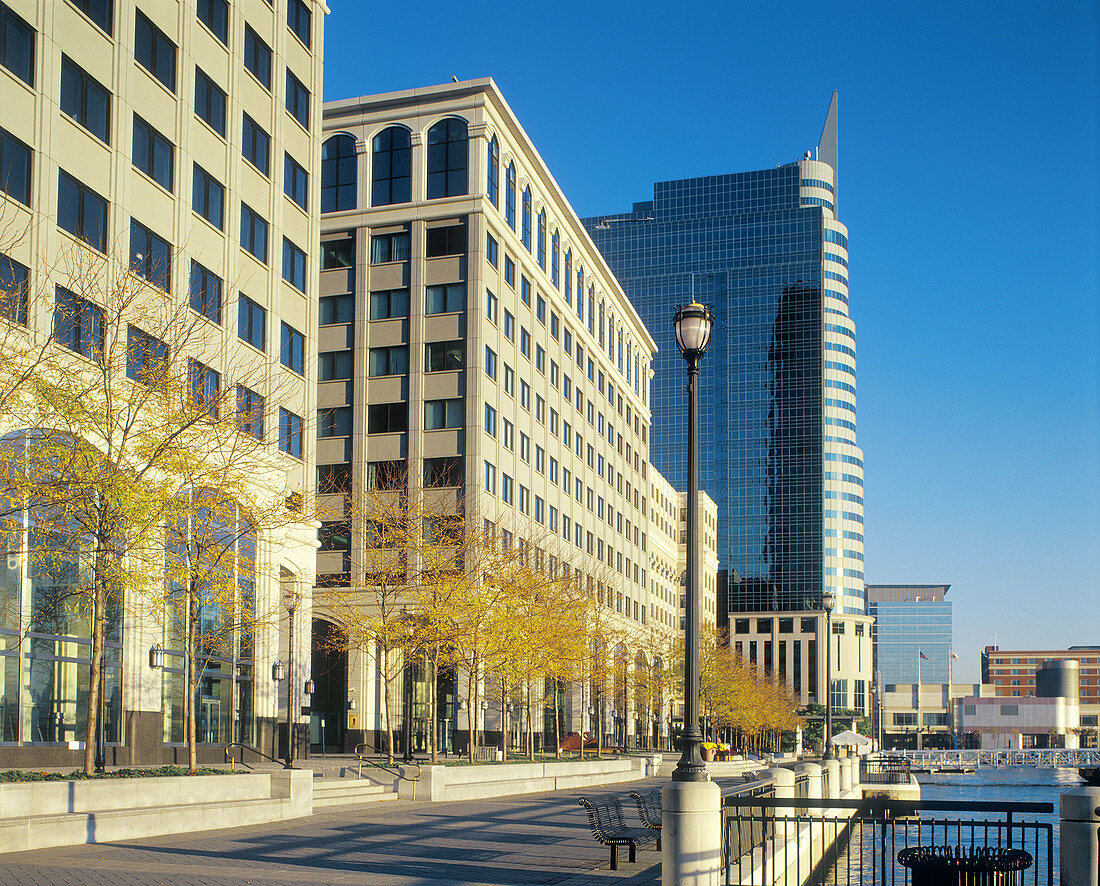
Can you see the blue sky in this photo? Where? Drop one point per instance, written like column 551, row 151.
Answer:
column 968, row 182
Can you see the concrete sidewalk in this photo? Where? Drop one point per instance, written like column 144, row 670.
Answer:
column 509, row 841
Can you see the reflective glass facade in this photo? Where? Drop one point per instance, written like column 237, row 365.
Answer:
column 777, row 425
column 902, row 631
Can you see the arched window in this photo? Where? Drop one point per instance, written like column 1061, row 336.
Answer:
column 510, row 196
column 447, row 158
column 492, row 174
column 569, row 276
column 525, row 231
column 555, row 248
column 542, row 239
column 580, row 293
column 391, row 167
column 338, row 174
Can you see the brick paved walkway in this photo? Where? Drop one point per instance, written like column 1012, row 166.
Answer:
column 509, row 841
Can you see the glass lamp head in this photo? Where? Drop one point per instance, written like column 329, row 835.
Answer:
column 828, row 601
column 693, row 323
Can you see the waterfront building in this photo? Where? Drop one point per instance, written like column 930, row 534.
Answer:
column 177, row 143
column 911, row 621
column 474, row 342
column 778, row 434
column 925, row 715
column 1012, row 674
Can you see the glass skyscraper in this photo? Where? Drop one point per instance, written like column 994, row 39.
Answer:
column 910, row 620
column 778, row 408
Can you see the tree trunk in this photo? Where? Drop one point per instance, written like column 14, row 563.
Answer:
column 433, row 695
column 91, row 717
column 503, row 722
column 530, row 722
column 471, row 713
column 189, row 689
column 387, row 701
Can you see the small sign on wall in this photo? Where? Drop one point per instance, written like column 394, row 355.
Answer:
column 353, row 721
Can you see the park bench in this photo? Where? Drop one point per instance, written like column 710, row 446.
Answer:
column 649, row 808
column 605, row 818
column 485, row 754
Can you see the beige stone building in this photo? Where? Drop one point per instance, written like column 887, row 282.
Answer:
column 178, row 142
column 472, row 338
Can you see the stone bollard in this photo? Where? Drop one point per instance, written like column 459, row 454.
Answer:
column 812, row 771
column 691, row 833
column 856, row 761
column 783, row 782
column 833, row 768
column 1079, row 837
column 845, row 775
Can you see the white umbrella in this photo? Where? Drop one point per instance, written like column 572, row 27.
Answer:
column 847, row 737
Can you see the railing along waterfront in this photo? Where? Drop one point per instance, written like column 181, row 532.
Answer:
column 856, row 842
column 1039, row 758
column 884, row 770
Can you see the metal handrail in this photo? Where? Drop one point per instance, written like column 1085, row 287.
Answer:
column 398, row 773
column 245, row 747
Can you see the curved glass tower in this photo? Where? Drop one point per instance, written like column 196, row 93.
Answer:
column 779, row 452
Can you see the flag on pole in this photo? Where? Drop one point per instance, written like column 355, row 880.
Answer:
column 954, row 657
column 922, row 655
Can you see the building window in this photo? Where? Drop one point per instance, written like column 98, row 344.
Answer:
column 206, row 292
column 13, row 290
column 490, row 421
column 490, row 478
column 387, row 418
column 290, row 433
column 295, row 181
column 525, row 230
column 555, row 248
column 391, row 167
column 253, row 233
column 85, row 100
column 385, row 248
column 492, row 173
column 509, row 271
column 506, row 489
column 391, row 360
column 337, row 309
column 209, row 102
column 490, row 363
column 215, row 15
column 334, row 421
column 153, row 154
column 78, row 324
column 256, row 145
column 251, row 320
column 99, row 11
column 298, row 20
column 16, row 45
column 447, row 158
column 338, row 173
column 525, row 290
column 491, row 249
column 449, row 298
column 492, row 306
column 150, row 256
column 15, row 168
column 155, row 52
column 443, row 356
column 146, row 357
column 294, row 265
column 449, row 240
column 334, row 365
column 386, row 475
column 293, row 349
column 208, row 196
column 443, row 414
column 510, row 196
column 250, row 412
column 81, row 212
column 388, row 304
column 444, row 471
column 297, row 99
column 509, row 325
column 541, row 252
column 206, row 386
column 334, row 479
column 257, row 57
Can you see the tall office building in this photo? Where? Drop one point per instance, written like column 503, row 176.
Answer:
column 169, row 150
column 911, row 621
column 778, row 424
column 474, row 346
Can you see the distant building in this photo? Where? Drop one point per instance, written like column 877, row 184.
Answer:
column 926, row 718
column 1051, row 718
column 1012, row 674
column 910, row 620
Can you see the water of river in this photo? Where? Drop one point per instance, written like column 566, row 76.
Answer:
column 856, row 865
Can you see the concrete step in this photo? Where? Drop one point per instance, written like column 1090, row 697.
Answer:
column 345, row 792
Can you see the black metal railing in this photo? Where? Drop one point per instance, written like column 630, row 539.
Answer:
column 745, row 831
column 856, row 842
column 884, row 770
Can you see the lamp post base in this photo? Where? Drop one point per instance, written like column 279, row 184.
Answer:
column 691, row 834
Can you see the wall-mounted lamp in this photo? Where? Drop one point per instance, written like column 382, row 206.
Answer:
column 278, row 672
column 311, row 687
column 156, row 656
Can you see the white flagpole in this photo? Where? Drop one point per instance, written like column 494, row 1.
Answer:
column 918, row 699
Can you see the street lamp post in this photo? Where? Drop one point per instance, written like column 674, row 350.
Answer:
column 291, row 607
column 828, row 601
column 693, row 324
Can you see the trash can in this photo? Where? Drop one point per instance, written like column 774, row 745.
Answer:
column 964, row 865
